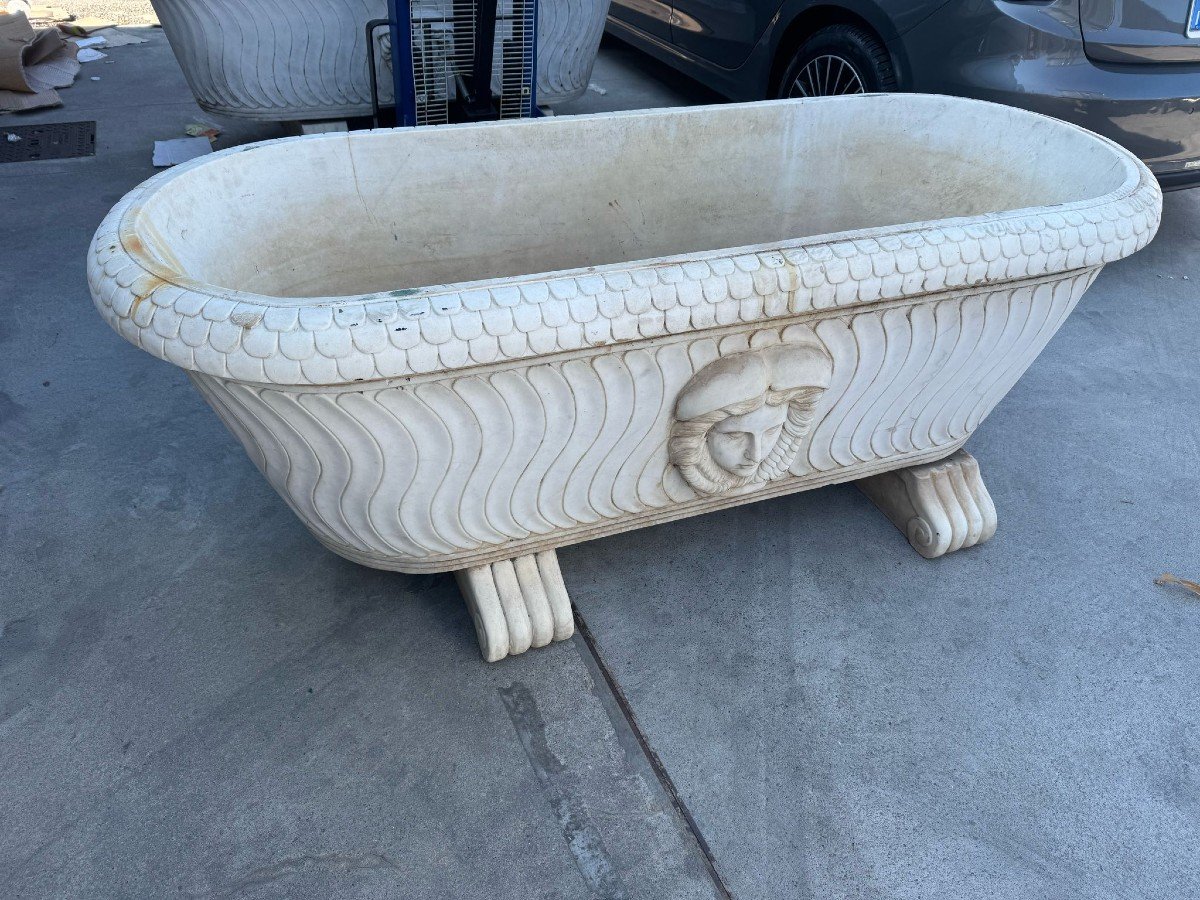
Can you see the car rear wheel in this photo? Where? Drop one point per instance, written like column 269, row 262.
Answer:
column 839, row 59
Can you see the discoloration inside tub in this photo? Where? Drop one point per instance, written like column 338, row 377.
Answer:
column 389, row 211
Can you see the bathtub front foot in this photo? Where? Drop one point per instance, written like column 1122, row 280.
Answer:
column 941, row 507
column 517, row 604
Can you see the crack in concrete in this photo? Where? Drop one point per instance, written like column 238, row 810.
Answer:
column 656, row 764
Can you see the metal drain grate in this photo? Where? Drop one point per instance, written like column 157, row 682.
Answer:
column 62, row 140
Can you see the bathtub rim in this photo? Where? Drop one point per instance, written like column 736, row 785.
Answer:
column 138, row 279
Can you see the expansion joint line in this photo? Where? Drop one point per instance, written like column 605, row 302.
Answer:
column 656, row 763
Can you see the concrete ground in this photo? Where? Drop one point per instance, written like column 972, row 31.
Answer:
column 781, row 700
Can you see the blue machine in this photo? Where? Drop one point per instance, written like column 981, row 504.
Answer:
column 462, row 60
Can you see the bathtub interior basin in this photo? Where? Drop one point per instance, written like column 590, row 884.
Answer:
column 389, row 210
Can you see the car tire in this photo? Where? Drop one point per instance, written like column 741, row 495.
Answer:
column 838, row 59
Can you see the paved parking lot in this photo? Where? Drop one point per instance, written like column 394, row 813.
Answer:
column 780, row 700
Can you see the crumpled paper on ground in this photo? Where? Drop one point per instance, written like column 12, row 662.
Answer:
column 115, row 37
column 32, row 64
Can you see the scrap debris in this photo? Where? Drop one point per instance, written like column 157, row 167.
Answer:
column 33, row 63
column 202, row 129
column 1168, row 578
column 179, row 150
column 84, row 26
column 115, row 37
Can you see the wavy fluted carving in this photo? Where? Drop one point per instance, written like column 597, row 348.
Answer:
column 282, row 60
column 422, row 475
column 569, row 33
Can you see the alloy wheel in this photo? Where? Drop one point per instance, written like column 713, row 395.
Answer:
column 827, row 76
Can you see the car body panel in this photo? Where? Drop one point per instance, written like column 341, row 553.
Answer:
column 1026, row 54
column 736, row 84
column 723, row 32
column 746, row 74
column 1140, row 31
column 651, row 17
column 1032, row 56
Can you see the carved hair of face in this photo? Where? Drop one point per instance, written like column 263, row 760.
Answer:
column 741, row 418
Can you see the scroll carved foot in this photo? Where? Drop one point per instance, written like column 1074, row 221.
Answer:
column 941, row 507
column 517, row 604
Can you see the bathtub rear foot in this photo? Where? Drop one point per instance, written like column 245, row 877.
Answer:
column 941, row 507
column 517, row 604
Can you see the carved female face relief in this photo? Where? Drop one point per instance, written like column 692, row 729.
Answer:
column 741, row 419
column 739, row 444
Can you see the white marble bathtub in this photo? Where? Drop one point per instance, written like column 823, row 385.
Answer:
column 688, row 309
column 308, row 61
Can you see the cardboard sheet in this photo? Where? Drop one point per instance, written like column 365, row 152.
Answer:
column 32, row 64
column 178, row 150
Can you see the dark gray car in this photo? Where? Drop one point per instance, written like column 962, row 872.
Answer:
column 1127, row 69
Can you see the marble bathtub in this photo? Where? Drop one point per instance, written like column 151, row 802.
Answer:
column 686, row 310
column 308, row 61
